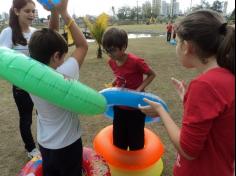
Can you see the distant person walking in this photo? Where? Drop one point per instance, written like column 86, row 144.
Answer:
column 169, row 29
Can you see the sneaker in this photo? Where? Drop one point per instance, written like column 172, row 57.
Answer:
column 35, row 152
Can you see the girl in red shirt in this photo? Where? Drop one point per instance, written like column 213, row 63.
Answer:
column 129, row 71
column 206, row 141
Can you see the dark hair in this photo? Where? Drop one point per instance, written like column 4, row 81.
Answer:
column 44, row 43
column 210, row 35
column 17, row 35
column 115, row 37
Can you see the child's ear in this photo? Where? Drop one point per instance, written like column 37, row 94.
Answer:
column 16, row 12
column 187, row 47
column 55, row 60
column 56, row 57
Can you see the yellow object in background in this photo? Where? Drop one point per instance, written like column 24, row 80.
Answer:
column 69, row 38
column 154, row 170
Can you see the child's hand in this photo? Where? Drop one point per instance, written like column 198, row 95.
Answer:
column 61, row 7
column 108, row 85
column 153, row 109
column 180, row 87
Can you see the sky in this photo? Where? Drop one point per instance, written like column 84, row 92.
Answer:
column 96, row 7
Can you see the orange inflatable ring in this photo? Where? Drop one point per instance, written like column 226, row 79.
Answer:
column 93, row 165
column 128, row 160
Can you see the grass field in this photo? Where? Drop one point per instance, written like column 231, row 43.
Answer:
column 152, row 28
column 95, row 73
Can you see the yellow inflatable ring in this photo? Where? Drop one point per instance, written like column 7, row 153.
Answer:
column 128, row 160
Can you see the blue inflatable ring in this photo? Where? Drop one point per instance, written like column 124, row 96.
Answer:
column 129, row 98
column 47, row 4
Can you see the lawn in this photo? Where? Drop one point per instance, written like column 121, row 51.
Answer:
column 95, row 73
column 152, row 28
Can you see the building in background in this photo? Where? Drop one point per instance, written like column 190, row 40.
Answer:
column 170, row 9
column 156, row 7
column 174, row 8
column 165, row 8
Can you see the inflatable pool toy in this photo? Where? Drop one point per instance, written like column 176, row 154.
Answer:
column 173, row 42
column 93, row 165
column 48, row 4
column 145, row 162
column 42, row 81
column 129, row 98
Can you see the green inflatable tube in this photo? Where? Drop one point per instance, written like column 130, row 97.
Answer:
column 42, row 81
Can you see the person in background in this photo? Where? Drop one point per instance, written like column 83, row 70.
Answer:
column 58, row 130
column 206, row 141
column 130, row 72
column 16, row 37
column 169, row 28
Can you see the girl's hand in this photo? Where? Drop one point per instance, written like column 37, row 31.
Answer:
column 180, row 87
column 154, row 109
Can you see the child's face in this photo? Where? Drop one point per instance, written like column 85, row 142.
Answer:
column 26, row 15
column 115, row 53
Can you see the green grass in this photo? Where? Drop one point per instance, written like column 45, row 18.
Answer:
column 156, row 28
column 95, row 73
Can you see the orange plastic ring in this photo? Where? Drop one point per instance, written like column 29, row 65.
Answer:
column 128, row 160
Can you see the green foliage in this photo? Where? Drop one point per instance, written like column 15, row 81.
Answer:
column 216, row 6
column 2, row 26
column 97, row 30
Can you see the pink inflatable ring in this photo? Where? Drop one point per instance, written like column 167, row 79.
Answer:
column 93, row 165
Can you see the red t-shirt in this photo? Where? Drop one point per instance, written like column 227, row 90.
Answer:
column 208, row 128
column 169, row 28
column 130, row 74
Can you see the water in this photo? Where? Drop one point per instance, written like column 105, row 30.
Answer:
column 135, row 36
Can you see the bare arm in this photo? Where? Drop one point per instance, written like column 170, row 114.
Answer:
column 54, row 20
column 79, row 39
column 150, row 76
column 172, row 129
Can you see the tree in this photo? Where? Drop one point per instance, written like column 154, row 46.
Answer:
column 232, row 16
column 97, row 30
column 147, row 10
column 204, row 5
column 217, row 6
column 124, row 13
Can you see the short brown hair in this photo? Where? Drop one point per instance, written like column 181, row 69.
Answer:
column 44, row 43
column 211, row 36
column 115, row 37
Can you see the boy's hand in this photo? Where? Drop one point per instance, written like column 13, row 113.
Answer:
column 180, row 87
column 61, row 7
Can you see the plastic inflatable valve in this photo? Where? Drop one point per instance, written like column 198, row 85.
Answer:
column 47, row 4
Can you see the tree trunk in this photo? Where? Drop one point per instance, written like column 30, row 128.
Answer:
column 99, row 52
